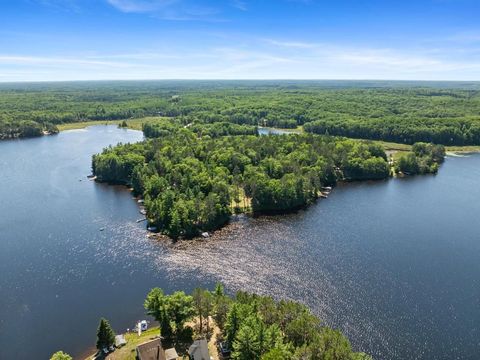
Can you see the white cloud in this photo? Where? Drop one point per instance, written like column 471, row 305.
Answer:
column 175, row 10
column 385, row 63
column 239, row 4
column 67, row 5
column 247, row 59
column 292, row 44
column 141, row 6
column 56, row 61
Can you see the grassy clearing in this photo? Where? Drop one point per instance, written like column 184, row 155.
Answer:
column 134, row 124
column 127, row 352
column 84, row 124
column 397, row 154
column 297, row 130
column 462, row 149
column 390, row 146
column 398, row 149
column 244, row 204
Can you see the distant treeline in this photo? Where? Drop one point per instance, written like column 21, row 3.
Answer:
column 385, row 111
column 448, row 131
column 192, row 184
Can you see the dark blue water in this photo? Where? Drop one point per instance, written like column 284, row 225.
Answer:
column 394, row 264
column 58, row 271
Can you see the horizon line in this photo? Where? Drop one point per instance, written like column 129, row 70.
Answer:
column 230, row 79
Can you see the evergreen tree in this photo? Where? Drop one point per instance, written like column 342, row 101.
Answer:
column 207, row 307
column 221, row 308
column 247, row 344
column 232, row 324
column 105, row 335
column 277, row 353
column 198, row 303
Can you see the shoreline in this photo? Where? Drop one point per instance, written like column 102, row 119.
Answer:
column 136, row 124
column 132, row 124
column 125, row 351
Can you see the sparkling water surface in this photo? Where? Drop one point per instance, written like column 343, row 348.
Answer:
column 393, row 264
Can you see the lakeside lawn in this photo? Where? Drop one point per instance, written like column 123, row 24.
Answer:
column 84, row 124
column 127, row 352
column 402, row 148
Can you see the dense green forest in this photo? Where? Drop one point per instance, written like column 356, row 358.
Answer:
column 443, row 113
column 193, row 183
column 164, row 127
column 25, row 128
column 423, row 159
column 253, row 327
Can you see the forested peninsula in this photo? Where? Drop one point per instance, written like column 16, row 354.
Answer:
column 245, row 326
column 252, row 327
column 403, row 112
column 25, row 129
column 192, row 179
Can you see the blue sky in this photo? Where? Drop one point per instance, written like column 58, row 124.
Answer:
column 44, row 40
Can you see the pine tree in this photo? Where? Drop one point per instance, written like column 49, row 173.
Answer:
column 219, row 291
column 247, row 344
column 199, row 303
column 232, row 324
column 105, row 334
column 207, row 307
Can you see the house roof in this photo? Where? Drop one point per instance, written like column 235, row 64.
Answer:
column 171, row 354
column 151, row 350
column 199, row 350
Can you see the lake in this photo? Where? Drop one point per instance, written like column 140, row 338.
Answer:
column 393, row 264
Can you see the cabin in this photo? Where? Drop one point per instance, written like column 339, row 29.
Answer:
column 153, row 350
column 199, row 350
